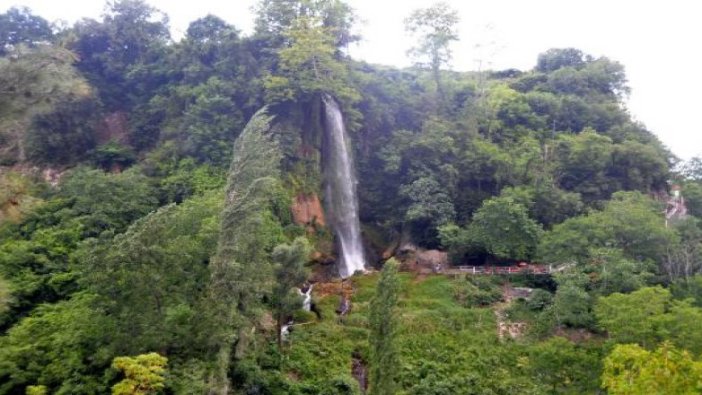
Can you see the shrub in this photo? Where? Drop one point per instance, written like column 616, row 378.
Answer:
column 476, row 291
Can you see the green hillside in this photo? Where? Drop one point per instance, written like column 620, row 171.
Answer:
column 163, row 204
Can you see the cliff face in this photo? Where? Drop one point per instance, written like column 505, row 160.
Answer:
column 113, row 127
column 34, row 81
column 307, row 210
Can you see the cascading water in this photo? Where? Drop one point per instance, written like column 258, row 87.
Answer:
column 340, row 199
column 306, row 297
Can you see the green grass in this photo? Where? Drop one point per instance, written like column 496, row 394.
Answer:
column 444, row 347
column 438, row 339
column 435, row 292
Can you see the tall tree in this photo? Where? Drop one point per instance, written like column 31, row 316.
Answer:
column 149, row 279
column 572, row 305
column 430, row 207
column 308, row 65
column 556, row 58
column 119, row 54
column 630, row 221
column 274, row 17
column 241, row 269
column 19, row 26
column 435, row 28
column 630, row 369
column 636, row 317
column 684, row 258
column 60, row 345
column 692, row 169
column 692, row 192
column 564, row 366
column 648, row 316
column 383, row 322
column 504, row 229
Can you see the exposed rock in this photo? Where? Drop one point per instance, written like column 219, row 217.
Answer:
column 52, row 176
column 307, row 151
column 371, row 255
column 359, row 371
column 322, row 258
column 422, row 261
column 676, row 209
column 390, row 250
column 511, row 293
column 324, row 273
column 379, row 243
column 506, row 328
column 514, row 330
column 407, row 248
column 431, row 257
column 332, row 287
column 405, row 244
column 307, row 210
column 113, row 127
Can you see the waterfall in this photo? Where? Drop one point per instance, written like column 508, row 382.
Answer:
column 306, row 297
column 341, row 202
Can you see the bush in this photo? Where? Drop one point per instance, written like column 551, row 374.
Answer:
column 301, row 316
column 64, row 136
column 113, row 154
column 539, row 300
column 476, row 291
column 341, row 385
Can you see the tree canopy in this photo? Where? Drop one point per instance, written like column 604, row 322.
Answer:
column 162, row 204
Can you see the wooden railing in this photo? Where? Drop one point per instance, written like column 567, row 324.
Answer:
column 495, row 270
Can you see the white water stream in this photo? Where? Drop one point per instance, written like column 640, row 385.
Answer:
column 340, row 199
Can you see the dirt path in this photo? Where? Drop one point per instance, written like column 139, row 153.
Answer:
column 505, row 327
column 337, row 287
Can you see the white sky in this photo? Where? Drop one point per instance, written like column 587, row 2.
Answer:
column 657, row 42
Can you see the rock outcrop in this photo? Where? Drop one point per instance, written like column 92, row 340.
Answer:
column 422, row 261
column 431, row 257
column 113, row 127
column 307, row 210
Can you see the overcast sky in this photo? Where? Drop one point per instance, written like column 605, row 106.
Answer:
column 657, row 42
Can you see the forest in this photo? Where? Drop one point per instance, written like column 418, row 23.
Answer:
column 232, row 213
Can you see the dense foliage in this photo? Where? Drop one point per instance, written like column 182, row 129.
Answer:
column 382, row 320
column 151, row 191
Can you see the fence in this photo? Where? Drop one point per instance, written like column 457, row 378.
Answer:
column 495, row 270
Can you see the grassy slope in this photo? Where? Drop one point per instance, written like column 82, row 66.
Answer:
column 441, row 343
